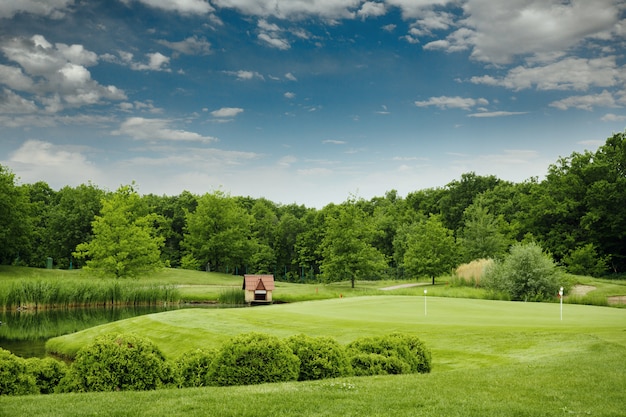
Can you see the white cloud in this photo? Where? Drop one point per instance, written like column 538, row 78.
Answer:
column 57, row 165
column 445, row 102
column 274, row 41
column 55, row 9
column 497, row 114
column 180, row 6
column 328, row 9
column 586, row 102
column 140, row 128
column 156, row 62
column 610, row 117
column 567, row 74
column 334, row 142
column 371, row 9
column 290, row 77
column 245, row 75
column 226, row 112
column 503, row 30
column 416, row 8
column 55, row 75
column 290, row 95
column 190, row 46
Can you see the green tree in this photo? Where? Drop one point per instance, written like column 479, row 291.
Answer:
column 70, row 221
column 482, row 236
column 15, row 222
column 219, row 233
column 426, row 248
column 347, row 249
column 125, row 243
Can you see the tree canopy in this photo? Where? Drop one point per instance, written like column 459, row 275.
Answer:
column 576, row 213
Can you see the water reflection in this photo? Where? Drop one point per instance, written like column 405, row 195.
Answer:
column 25, row 332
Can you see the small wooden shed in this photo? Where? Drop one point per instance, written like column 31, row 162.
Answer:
column 258, row 288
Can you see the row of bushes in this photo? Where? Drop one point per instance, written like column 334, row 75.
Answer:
column 52, row 293
column 128, row 362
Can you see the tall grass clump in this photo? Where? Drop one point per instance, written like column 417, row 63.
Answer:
column 233, row 296
column 471, row 273
column 49, row 293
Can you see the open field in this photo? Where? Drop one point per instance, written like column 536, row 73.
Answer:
column 490, row 358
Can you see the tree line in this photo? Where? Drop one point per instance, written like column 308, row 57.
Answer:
column 577, row 213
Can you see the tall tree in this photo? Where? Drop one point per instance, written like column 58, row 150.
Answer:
column 70, row 221
column 125, row 243
column 15, row 222
column 427, row 248
column 483, row 234
column 218, row 234
column 347, row 247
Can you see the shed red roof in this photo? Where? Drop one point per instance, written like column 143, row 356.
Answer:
column 258, row 282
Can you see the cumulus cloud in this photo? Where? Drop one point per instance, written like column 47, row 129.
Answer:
column 371, row 9
column 140, row 128
column 570, row 73
column 55, row 76
column 290, row 95
column 12, row 103
column 156, row 62
column 445, row 102
column 497, row 31
column 226, row 112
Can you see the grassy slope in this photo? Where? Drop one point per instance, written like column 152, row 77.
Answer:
column 490, row 358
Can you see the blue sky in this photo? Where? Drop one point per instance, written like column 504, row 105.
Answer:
column 304, row 101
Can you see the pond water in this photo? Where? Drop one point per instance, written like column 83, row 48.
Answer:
column 25, row 333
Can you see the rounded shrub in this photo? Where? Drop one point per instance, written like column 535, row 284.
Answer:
column 48, row 373
column 255, row 358
column 320, row 357
column 395, row 353
column 526, row 274
column 14, row 376
column 118, row 363
column 194, row 368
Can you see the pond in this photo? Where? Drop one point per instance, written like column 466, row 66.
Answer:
column 25, row 333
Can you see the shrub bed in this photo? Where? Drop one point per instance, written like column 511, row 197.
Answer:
column 126, row 362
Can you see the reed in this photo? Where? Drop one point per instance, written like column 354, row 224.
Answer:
column 233, row 296
column 49, row 293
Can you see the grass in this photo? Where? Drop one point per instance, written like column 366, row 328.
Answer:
column 490, row 358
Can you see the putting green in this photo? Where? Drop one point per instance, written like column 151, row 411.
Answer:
column 460, row 332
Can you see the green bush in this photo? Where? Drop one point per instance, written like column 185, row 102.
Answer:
column 194, row 368
column 395, row 353
column 584, row 260
column 14, row 376
column 367, row 364
column 255, row 358
column 118, row 363
column 320, row 357
column 527, row 274
column 47, row 372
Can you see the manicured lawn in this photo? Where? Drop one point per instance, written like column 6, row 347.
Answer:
column 490, row 358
